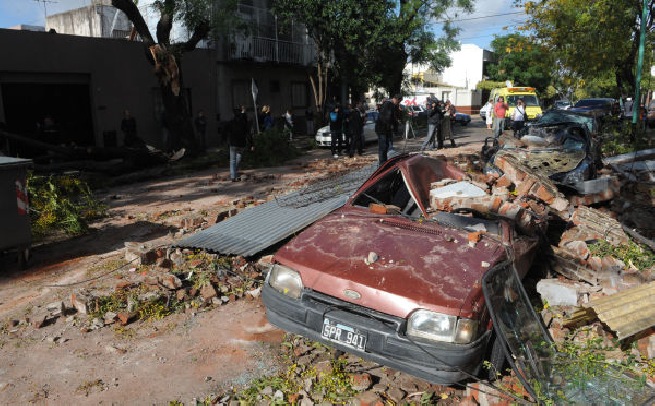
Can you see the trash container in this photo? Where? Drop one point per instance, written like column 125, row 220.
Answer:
column 15, row 231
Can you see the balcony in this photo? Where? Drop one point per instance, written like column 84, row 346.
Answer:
column 270, row 50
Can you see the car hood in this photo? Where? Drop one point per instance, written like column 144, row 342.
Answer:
column 418, row 265
column 551, row 148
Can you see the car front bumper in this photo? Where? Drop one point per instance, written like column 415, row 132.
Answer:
column 440, row 363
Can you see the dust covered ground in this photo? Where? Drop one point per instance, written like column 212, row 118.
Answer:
column 194, row 354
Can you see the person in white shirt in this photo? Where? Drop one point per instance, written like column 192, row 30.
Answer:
column 488, row 109
column 519, row 116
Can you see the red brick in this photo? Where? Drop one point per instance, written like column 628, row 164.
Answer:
column 368, row 398
column 361, row 382
column 503, row 181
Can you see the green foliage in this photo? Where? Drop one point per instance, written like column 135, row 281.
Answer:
column 335, row 386
column 372, row 41
column 631, row 253
column 489, row 84
column 272, row 148
column 331, row 386
column 522, row 61
column 154, row 309
column 621, row 136
column 579, row 34
column 61, row 203
column 116, row 302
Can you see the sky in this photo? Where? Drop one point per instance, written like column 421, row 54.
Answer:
column 489, row 18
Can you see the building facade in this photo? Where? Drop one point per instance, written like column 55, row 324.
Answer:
column 458, row 82
column 84, row 79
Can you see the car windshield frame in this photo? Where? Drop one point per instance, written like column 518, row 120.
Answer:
column 534, row 357
column 554, row 117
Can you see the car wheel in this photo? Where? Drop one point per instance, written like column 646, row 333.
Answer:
column 497, row 358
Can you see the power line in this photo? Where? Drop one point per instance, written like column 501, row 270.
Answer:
column 480, row 17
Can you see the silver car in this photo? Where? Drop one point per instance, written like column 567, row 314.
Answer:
column 323, row 138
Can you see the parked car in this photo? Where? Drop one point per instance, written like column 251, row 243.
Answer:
column 561, row 104
column 601, row 107
column 562, row 144
column 324, row 139
column 390, row 279
column 462, row 119
column 414, row 110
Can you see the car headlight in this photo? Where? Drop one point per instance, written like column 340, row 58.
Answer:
column 433, row 326
column 286, row 281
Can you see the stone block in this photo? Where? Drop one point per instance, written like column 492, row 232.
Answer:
column 80, row 302
column 558, row 293
column 140, row 254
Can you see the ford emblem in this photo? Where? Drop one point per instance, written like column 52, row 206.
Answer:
column 351, row 294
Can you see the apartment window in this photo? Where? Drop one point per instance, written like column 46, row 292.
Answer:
column 299, row 94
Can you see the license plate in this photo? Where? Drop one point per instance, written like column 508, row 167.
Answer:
column 340, row 333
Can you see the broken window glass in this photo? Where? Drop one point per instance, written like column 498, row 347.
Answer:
column 546, row 373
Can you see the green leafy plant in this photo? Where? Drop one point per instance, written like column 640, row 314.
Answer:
column 271, row 148
column 630, row 253
column 61, row 203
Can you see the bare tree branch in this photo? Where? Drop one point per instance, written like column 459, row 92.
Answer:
column 132, row 12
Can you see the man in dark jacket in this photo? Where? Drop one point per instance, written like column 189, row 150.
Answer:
column 386, row 122
column 435, row 114
column 356, row 125
column 336, row 130
column 238, row 139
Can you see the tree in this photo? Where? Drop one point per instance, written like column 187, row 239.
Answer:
column 591, row 38
column 522, row 62
column 166, row 57
column 371, row 42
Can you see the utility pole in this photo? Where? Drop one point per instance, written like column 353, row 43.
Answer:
column 45, row 13
column 640, row 62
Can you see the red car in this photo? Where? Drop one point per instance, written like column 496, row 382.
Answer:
column 392, row 280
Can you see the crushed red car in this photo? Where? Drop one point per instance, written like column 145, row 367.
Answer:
column 391, row 279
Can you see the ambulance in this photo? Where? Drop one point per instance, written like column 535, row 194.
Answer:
column 512, row 94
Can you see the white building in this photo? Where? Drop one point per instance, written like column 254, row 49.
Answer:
column 458, row 82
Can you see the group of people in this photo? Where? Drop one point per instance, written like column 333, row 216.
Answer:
column 441, row 122
column 350, row 122
column 495, row 116
column 266, row 120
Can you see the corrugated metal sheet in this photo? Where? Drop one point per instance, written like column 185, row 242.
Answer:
column 627, row 312
column 259, row 227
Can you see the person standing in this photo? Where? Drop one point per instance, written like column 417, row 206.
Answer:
column 500, row 109
column 288, row 123
column 356, row 125
column 267, row 118
column 336, row 131
column 519, row 117
column 435, row 115
column 452, row 115
column 309, row 120
column 200, row 123
column 488, row 113
column 384, row 126
column 238, row 138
